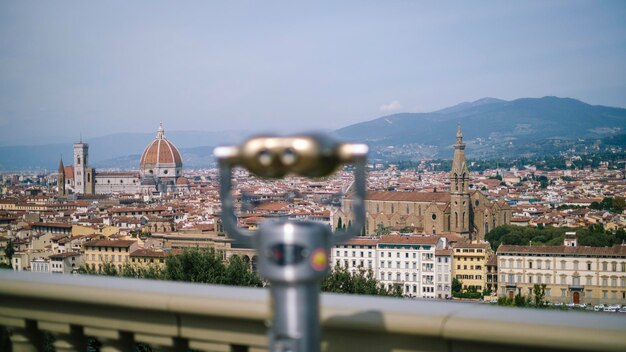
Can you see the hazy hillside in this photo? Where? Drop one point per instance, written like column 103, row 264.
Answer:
column 491, row 127
column 517, row 121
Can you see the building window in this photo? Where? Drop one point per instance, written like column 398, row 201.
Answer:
column 614, row 266
column 588, row 265
column 605, row 266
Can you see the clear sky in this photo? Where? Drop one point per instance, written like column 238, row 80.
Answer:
column 98, row 68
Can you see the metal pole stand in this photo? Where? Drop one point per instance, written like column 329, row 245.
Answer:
column 293, row 256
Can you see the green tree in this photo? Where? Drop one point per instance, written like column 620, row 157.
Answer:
column 195, row 265
column 619, row 204
column 539, row 294
column 382, row 230
column 238, row 273
column 457, row 286
column 339, row 225
column 340, row 280
column 9, row 251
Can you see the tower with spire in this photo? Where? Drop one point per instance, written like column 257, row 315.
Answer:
column 61, row 179
column 459, row 189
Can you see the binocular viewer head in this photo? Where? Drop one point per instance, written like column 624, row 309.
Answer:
column 313, row 155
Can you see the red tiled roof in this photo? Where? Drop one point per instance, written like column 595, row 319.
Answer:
column 408, row 196
column 399, row 239
column 616, row 250
column 110, row 243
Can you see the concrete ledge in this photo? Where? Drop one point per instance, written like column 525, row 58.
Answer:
column 209, row 315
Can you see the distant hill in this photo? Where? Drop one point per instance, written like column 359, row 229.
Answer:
column 492, row 121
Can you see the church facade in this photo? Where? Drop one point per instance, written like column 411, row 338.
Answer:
column 160, row 171
column 462, row 211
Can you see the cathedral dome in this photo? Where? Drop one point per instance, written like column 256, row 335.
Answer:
column 160, row 153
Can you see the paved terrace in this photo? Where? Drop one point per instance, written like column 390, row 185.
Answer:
column 175, row 316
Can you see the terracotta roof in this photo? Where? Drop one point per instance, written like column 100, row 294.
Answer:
column 467, row 244
column 64, row 255
column 182, row 181
column 442, row 252
column 409, row 196
column 160, row 151
column 52, row 224
column 146, row 252
column 616, row 250
column 110, row 243
column 361, row 242
column 418, row 239
column 69, row 172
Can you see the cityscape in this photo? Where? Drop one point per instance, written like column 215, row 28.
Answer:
column 331, row 177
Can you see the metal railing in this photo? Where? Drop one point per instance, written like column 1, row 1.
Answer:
column 177, row 316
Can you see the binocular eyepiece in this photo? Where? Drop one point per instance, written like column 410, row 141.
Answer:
column 293, row 256
column 314, row 155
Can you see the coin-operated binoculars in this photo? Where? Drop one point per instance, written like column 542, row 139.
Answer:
column 292, row 256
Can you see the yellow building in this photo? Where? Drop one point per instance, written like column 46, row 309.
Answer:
column 116, row 252
column 470, row 264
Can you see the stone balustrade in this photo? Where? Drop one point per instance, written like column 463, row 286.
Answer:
column 173, row 316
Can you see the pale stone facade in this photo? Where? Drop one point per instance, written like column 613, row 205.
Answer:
column 572, row 274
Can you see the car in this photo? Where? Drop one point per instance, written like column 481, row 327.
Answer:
column 598, row 308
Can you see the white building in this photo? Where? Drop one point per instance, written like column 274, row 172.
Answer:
column 65, row 263
column 40, row 266
column 406, row 260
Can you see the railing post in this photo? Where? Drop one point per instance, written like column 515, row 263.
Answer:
column 68, row 338
column 112, row 340
column 26, row 338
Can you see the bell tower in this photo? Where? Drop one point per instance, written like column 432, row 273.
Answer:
column 81, row 153
column 61, row 178
column 459, row 189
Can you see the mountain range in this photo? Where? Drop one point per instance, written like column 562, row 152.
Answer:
column 491, row 127
column 522, row 120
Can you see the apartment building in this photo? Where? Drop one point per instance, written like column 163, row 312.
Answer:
column 470, row 264
column 356, row 254
column 116, row 252
column 443, row 270
column 407, row 260
column 572, row 274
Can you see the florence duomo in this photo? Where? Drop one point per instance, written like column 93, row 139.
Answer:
column 160, row 171
column 462, row 211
